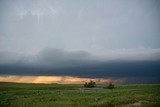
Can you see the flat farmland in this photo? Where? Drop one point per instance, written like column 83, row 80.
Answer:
column 74, row 95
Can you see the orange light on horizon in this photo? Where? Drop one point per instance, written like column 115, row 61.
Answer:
column 52, row 79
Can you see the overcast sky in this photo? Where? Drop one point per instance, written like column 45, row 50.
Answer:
column 78, row 32
column 90, row 25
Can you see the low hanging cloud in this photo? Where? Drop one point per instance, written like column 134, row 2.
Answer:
column 54, row 56
column 57, row 57
column 132, row 54
column 140, row 63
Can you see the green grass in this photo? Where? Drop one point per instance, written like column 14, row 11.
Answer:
column 57, row 95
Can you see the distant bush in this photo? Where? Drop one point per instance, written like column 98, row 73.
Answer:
column 110, row 86
column 90, row 84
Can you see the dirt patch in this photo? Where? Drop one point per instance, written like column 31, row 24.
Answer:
column 93, row 89
column 136, row 104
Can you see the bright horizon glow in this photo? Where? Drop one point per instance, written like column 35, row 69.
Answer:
column 54, row 79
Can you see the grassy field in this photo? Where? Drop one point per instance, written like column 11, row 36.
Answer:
column 57, row 95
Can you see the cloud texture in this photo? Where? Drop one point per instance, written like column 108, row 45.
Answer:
column 122, row 64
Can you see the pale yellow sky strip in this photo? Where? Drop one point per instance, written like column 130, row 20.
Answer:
column 52, row 79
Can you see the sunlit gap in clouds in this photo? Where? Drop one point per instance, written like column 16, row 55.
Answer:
column 54, row 79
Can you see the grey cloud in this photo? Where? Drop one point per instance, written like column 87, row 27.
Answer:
column 51, row 61
column 29, row 26
column 57, row 57
column 13, row 58
column 134, row 54
column 49, row 57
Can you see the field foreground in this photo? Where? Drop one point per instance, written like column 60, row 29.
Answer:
column 58, row 95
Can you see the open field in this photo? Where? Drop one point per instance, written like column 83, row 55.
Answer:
column 57, row 95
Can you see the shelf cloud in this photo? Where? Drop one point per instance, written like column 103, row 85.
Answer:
column 118, row 64
column 52, row 56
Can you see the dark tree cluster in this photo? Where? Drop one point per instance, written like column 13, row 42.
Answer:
column 109, row 86
column 90, row 84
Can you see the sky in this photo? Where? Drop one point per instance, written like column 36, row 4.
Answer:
column 107, row 39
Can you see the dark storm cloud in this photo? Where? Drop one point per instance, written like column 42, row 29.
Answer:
column 51, row 61
column 61, row 58
column 57, row 57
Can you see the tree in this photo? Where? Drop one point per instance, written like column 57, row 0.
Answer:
column 110, row 86
column 90, row 84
